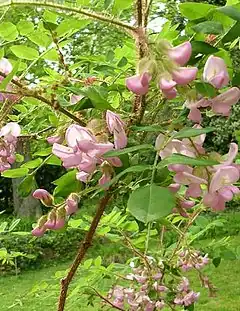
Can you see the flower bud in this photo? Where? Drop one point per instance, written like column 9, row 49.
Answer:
column 51, row 220
column 139, row 84
column 60, row 220
column 72, row 203
column 44, row 196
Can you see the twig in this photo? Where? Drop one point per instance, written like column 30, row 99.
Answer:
column 55, row 105
column 87, row 242
column 106, row 300
column 104, row 18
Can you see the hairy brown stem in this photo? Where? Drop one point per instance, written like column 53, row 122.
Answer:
column 87, row 242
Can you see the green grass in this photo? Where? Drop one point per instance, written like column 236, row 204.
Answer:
column 14, row 290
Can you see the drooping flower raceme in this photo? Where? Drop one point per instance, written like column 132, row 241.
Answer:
column 8, row 142
column 59, row 214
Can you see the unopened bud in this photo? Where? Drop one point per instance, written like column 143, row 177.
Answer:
column 72, row 203
column 51, row 220
column 44, row 196
column 60, row 220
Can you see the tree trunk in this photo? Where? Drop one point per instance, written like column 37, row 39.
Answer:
column 24, row 207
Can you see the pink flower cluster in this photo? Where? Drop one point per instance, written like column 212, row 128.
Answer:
column 189, row 259
column 215, row 72
column 185, row 296
column 57, row 217
column 171, row 76
column 213, row 183
column 85, row 152
column 145, row 284
column 8, row 141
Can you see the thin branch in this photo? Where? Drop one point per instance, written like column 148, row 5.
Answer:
column 55, row 105
column 35, row 135
column 104, row 18
column 106, row 300
column 85, row 245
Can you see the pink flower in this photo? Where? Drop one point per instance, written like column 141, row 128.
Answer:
column 116, row 127
column 181, row 54
column 215, row 72
column 160, row 305
column 184, row 285
column 10, row 131
column 51, row 220
column 39, row 231
column 44, row 196
column 5, row 66
column 221, row 189
column 190, row 298
column 139, row 84
column 222, row 103
column 184, row 75
column 74, row 99
column 72, row 204
column 194, row 105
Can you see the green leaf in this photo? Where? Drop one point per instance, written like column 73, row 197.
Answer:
column 193, row 10
column 182, row 159
column 43, row 153
column 67, row 184
column 70, row 26
column 9, row 77
column 147, row 128
column 205, row 89
column 50, row 16
column 202, row 222
column 54, row 160
column 150, row 203
column 83, row 2
column 209, row 27
column 232, row 34
column 13, row 224
column 26, row 186
column 230, row 11
column 25, row 27
column 32, row 164
column 114, row 153
column 8, row 31
column 203, row 48
column 228, row 254
column 120, row 5
column 98, row 261
column 15, row 173
column 24, row 52
column 216, row 261
column 19, row 158
column 51, row 55
column 40, row 38
column 192, row 132
column 123, row 62
column 97, row 95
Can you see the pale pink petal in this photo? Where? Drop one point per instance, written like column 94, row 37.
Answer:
column 174, row 187
column 139, row 84
column 233, row 151
column 5, row 66
column 82, row 176
column 195, row 115
column 76, row 133
column 184, row 75
column 223, row 177
column 194, row 191
column 167, row 85
column 187, row 179
column 61, row 151
column 215, row 72
column 223, row 102
column 39, row 231
column 11, row 128
column 55, row 139
column 170, row 94
column 115, row 161
column 181, row 53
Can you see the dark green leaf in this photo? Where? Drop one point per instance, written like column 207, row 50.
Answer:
column 114, row 153
column 26, row 186
column 228, row 254
column 205, row 89
column 193, row 10
column 203, row 48
column 236, row 79
column 123, row 62
column 191, row 132
column 15, row 173
column 231, row 11
column 232, row 34
column 120, row 5
column 216, row 261
column 209, row 27
column 70, row 26
column 182, row 159
column 150, row 203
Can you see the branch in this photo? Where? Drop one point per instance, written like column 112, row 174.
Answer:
column 87, row 242
column 49, row 4
column 55, row 104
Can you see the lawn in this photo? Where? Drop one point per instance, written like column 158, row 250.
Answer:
column 14, row 290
